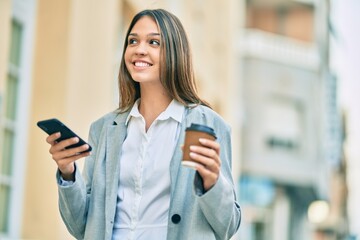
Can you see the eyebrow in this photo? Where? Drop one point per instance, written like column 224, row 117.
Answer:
column 150, row 34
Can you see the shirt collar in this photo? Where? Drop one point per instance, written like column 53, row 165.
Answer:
column 175, row 110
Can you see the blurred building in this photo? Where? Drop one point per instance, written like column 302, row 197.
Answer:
column 292, row 183
column 345, row 55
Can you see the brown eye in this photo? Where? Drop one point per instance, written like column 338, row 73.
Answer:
column 155, row 42
column 132, row 41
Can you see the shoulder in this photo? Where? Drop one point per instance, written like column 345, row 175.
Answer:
column 111, row 118
column 209, row 116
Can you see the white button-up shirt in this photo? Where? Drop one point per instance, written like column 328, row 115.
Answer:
column 144, row 193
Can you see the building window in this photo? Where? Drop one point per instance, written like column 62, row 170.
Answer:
column 290, row 19
column 8, row 125
column 284, row 124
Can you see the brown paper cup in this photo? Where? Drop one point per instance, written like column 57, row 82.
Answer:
column 192, row 136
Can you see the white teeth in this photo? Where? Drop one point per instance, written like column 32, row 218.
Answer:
column 142, row 64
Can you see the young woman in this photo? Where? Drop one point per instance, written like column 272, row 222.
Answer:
column 133, row 185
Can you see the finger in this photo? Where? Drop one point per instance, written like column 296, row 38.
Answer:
column 70, row 152
column 207, row 152
column 69, row 160
column 210, row 144
column 51, row 139
column 208, row 163
column 63, row 144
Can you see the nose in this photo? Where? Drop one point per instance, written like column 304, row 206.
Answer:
column 141, row 49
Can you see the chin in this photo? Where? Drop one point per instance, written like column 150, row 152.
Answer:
column 144, row 79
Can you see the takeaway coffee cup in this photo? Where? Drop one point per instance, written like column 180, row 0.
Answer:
column 192, row 135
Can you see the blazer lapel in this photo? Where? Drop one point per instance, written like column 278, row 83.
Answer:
column 175, row 166
column 175, row 163
column 115, row 137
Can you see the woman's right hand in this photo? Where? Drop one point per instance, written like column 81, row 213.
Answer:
column 65, row 158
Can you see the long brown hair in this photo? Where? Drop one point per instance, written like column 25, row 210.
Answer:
column 176, row 69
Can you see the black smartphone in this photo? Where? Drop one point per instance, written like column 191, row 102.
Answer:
column 54, row 125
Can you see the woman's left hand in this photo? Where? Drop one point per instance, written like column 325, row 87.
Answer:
column 208, row 158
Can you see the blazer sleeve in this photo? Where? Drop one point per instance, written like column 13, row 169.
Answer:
column 222, row 195
column 74, row 198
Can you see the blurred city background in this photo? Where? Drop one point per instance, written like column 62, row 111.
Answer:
column 284, row 74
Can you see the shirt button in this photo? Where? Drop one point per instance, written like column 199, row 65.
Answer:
column 176, row 218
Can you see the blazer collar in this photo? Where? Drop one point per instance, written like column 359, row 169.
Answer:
column 120, row 118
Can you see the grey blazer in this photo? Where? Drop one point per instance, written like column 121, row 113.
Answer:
column 88, row 205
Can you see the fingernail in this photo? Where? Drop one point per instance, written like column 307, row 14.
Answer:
column 202, row 140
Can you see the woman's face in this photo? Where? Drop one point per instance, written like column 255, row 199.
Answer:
column 142, row 55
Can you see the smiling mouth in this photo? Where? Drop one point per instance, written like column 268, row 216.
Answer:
column 142, row 64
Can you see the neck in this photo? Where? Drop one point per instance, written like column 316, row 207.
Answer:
column 153, row 102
